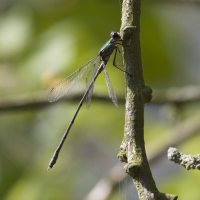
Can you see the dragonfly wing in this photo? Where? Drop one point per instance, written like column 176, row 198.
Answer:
column 110, row 88
column 89, row 96
column 90, row 80
column 62, row 87
column 92, row 72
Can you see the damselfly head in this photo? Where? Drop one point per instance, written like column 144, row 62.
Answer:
column 114, row 35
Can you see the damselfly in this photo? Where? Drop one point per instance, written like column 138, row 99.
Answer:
column 98, row 65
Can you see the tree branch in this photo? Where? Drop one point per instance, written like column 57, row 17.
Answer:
column 132, row 149
column 176, row 96
column 39, row 100
column 187, row 161
column 180, row 133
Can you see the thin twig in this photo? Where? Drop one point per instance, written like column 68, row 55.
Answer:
column 132, row 149
column 187, row 161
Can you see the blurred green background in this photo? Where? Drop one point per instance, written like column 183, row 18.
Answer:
column 43, row 41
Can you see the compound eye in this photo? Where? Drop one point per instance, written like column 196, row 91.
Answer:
column 115, row 35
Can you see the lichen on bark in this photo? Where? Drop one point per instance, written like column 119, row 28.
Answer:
column 132, row 149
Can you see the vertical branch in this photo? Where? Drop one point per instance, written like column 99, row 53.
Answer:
column 132, row 149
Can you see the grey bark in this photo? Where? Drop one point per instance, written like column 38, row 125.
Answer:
column 132, row 149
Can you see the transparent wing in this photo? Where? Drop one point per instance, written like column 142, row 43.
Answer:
column 62, row 87
column 89, row 79
column 89, row 97
column 110, row 88
column 92, row 72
